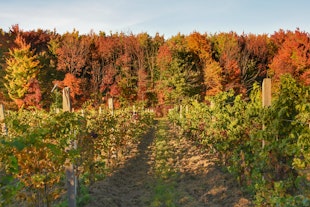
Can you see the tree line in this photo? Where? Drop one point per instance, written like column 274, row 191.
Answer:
column 143, row 68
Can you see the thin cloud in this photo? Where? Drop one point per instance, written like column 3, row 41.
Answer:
column 164, row 16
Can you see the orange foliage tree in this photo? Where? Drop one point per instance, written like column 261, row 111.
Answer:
column 72, row 56
column 293, row 55
column 103, row 63
column 254, row 56
column 72, row 53
column 200, row 45
column 73, row 83
column 226, row 51
column 163, row 61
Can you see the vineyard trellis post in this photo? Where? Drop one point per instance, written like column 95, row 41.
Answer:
column 266, row 98
column 181, row 111
column 134, row 110
column 111, row 105
column 69, row 168
column 2, row 116
column 100, row 110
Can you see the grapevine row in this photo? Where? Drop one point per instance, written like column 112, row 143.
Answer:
column 276, row 174
column 34, row 152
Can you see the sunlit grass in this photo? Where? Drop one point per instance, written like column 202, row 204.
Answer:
column 164, row 195
column 164, row 192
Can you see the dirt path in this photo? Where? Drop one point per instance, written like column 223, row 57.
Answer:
column 130, row 185
column 167, row 171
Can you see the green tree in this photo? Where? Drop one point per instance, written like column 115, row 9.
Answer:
column 21, row 71
column 182, row 81
column 182, row 76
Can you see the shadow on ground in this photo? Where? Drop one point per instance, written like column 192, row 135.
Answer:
column 196, row 180
column 130, row 185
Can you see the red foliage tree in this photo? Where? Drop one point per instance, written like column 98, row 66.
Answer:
column 142, row 85
column 226, row 52
column 164, row 57
column 38, row 39
column 33, row 95
column 72, row 58
column 293, row 55
column 103, row 63
column 72, row 54
column 254, row 57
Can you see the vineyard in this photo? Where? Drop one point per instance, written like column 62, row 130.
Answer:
column 265, row 150
column 180, row 121
column 37, row 147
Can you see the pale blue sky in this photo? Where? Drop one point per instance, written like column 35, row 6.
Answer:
column 167, row 17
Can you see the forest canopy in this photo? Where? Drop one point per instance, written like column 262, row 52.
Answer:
column 142, row 68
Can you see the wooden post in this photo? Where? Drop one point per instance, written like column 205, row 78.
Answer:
column 2, row 116
column 111, row 105
column 266, row 98
column 1, row 112
column 266, row 90
column 69, row 168
column 181, row 111
column 186, row 109
column 66, row 102
column 100, row 110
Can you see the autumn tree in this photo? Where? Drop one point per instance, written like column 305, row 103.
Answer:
column 72, row 55
column 148, row 74
column 45, row 43
column 38, row 39
column 21, row 73
column 201, row 46
column 212, row 78
column 225, row 50
column 182, row 77
column 6, row 42
column 94, row 68
column 73, row 83
column 140, row 67
column 127, row 65
column 293, row 55
column 141, row 48
column 163, row 61
column 254, row 56
column 104, row 69
column 164, row 58
column 33, row 96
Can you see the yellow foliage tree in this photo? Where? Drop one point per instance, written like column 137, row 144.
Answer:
column 22, row 68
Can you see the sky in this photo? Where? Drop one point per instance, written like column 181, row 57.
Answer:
column 166, row 17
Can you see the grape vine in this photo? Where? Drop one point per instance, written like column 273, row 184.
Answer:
column 277, row 174
column 34, row 152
